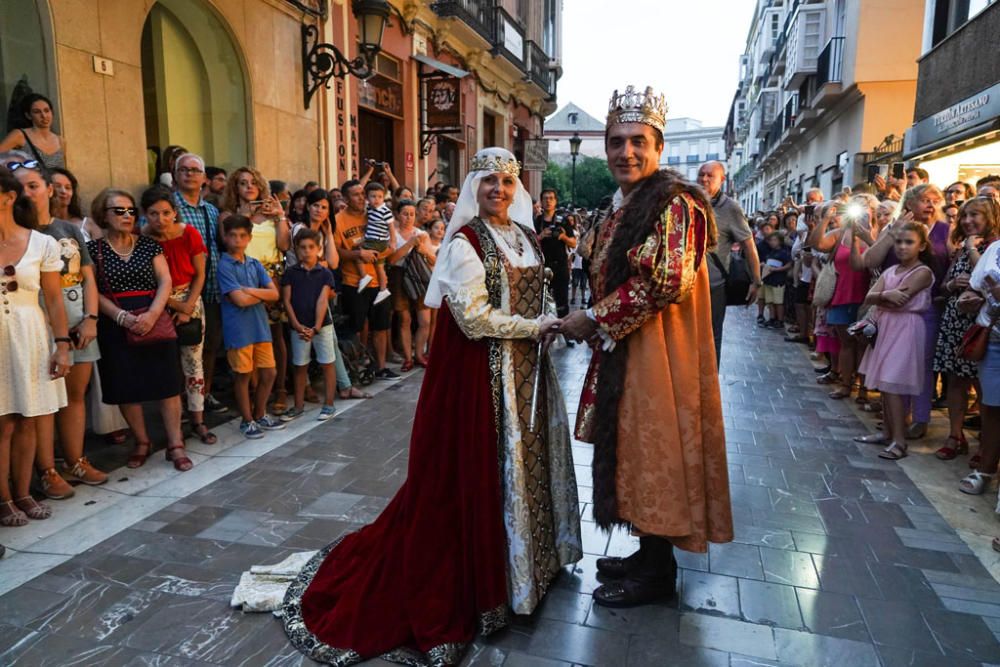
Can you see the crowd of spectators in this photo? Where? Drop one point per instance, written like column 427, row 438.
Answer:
column 895, row 287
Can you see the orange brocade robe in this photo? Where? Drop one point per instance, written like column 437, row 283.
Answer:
column 671, row 478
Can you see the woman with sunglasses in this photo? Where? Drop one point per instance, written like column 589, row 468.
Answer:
column 134, row 281
column 29, row 262
column 79, row 296
column 37, row 137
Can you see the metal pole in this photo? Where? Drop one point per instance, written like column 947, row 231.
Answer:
column 573, row 189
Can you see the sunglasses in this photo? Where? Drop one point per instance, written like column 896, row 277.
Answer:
column 122, row 211
column 9, row 285
column 27, row 164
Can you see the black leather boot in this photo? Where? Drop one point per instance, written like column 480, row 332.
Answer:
column 618, row 568
column 653, row 578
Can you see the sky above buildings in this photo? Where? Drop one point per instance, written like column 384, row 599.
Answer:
column 687, row 49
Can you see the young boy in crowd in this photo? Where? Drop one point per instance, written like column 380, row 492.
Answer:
column 776, row 263
column 246, row 287
column 764, row 229
column 376, row 238
column 306, row 289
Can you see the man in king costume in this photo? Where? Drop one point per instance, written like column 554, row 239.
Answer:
column 651, row 403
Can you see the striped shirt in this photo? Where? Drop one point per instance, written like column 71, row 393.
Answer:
column 379, row 220
column 205, row 218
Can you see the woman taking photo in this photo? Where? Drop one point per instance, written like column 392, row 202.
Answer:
column 134, row 281
column 186, row 254
column 979, row 226
column 458, row 534
column 407, row 238
column 248, row 194
column 37, row 138
column 29, row 262
column 79, row 295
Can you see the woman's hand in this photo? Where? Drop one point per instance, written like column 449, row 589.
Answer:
column 271, row 207
column 969, row 302
column 960, row 282
column 59, row 362
column 187, row 307
column 971, row 241
column 143, row 323
column 87, row 330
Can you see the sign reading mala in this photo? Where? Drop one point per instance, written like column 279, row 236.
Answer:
column 346, row 134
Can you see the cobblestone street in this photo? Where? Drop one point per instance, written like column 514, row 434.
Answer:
column 839, row 559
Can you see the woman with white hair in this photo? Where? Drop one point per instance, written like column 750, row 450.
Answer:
column 488, row 514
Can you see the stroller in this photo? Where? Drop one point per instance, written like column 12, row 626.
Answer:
column 359, row 361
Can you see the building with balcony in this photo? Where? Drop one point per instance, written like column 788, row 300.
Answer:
column 956, row 119
column 567, row 121
column 687, row 145
column 821, row 84
column 229, row 79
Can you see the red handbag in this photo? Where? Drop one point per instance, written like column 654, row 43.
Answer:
column 975, row 341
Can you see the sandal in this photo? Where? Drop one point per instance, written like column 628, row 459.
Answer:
column 421, row 362
column 201, row 431
column 140, row 453
column 975, row 483
column 11, row 516
column 840, row 394
column 280, row 405
column 829, row 378
column 947, row 453
column 872, row 439
column 354, row 393
column 32, row 508
column 181, row 463
column 893, row 452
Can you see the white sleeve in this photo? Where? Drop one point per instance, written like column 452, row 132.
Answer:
column 51, row 255
column 460, row 279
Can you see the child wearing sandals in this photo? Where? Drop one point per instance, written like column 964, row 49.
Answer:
column 895, row 363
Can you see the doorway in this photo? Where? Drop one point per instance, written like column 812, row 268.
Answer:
column 375, row 138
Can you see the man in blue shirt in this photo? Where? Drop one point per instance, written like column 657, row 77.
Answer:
column 192, row 209
column 245, row 287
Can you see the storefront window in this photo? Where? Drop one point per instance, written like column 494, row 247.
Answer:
column 194, row 84
column 25, row 59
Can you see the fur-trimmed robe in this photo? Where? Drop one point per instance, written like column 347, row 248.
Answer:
column 652, row 406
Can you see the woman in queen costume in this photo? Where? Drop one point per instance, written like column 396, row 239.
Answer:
column 488, row 514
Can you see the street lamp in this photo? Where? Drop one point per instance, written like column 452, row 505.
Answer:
column 574, row 150
column 322, row 61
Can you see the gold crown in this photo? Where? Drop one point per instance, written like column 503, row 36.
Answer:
column 635, row 107
column 496, row 163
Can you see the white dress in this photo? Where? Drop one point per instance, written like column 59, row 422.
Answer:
column 25, row 338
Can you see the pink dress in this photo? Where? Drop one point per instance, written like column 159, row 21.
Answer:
column 895, row 364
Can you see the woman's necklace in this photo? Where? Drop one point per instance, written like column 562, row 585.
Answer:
column 511, row 237
column 123, row 255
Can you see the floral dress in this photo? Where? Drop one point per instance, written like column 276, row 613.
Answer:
column 954, row 324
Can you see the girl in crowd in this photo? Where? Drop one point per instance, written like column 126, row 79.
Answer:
column 79, row 296
column 134, row 280
column 65, row 202
column 894, row 365
column 984, row 290
column 980, row 226
column 37, row 138
column 405, row 238
column 185, row 253
column 247, row 193
column 29, row 262
column 435, row 236
column 848, row 294
column 401, row 193
column 297, row 208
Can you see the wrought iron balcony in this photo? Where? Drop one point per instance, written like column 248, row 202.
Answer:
column 830, row 64
column 480, row 15
column 509, row 38
column 538, row 67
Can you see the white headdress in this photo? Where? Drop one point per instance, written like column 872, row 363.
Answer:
column 485, row 162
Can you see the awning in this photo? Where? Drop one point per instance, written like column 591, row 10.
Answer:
column 440, row 66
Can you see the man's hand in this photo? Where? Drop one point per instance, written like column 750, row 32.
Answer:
column 752, row 294
column 367, row 256
column 578, row 327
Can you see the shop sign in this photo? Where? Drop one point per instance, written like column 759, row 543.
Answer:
column 444, row 102
column 347, row 135
column 980, row 108
column 382, row 94
column 536, row 155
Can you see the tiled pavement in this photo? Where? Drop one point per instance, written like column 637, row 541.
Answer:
column 839, row 559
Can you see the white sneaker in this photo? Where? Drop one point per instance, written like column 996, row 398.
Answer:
column 382, row 295
column 363, row 283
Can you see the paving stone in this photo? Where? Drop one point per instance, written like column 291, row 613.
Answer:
column 832, row 614
column 789, row 567
column 769, row 604
column 578, row 644
column 650, row 650
column 726, row 634
column 735, row 559
column 708, row 593
column 897, row 624
column 963, row 635
column 893, row 656
column 841, row 574
column 802, row 648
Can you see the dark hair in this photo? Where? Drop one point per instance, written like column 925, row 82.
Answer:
column 441, row 198
column 30, row 99
column 546, row 191
column 921, row 173
column 658, row 135
column 293, row 215
column 98, row 207
column 310, row 184
column 400, row 204
column 305, row 234
column 374, row 186
column 920, row 229
column 347, row 185
column 316, row 195
column 212, row 172
column 277, row 186
column 168, row 158
column 450, row 187
column 794, row 215
column 237, row 221
column 989, row 179
column 74, row 208
column 24, row 210
column 155, row 194
column 967, row 191
column 398, row 191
